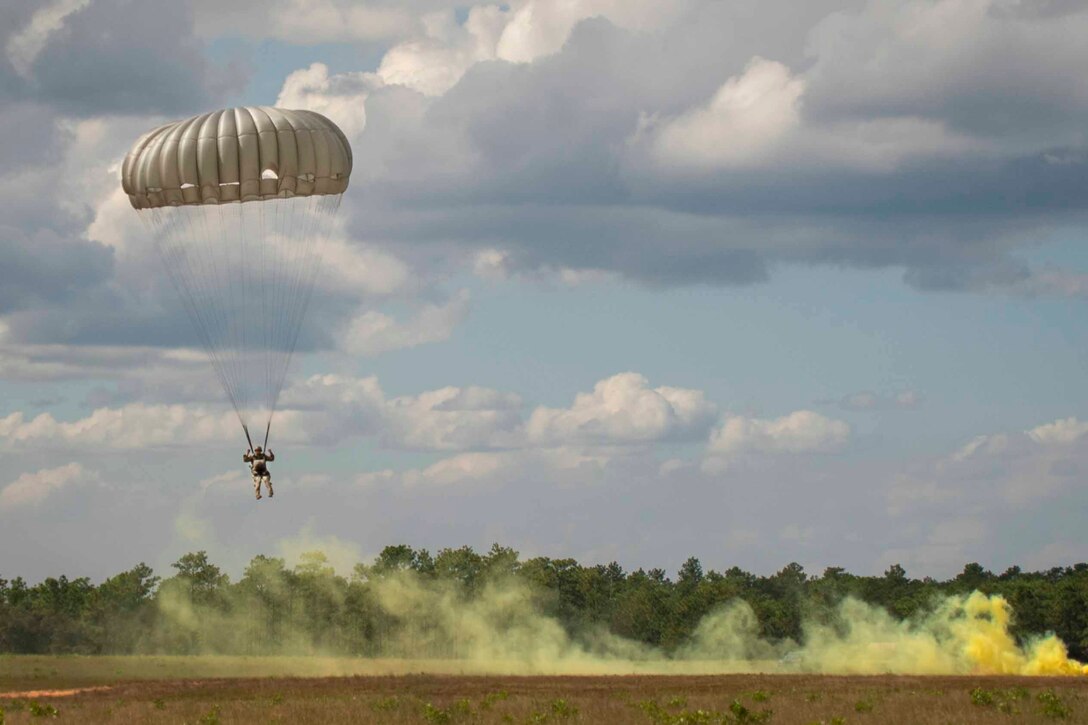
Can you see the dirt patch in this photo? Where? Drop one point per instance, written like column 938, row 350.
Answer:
column 34, row 694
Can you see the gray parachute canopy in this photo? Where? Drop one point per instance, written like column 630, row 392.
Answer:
column 237, row 154
column 239, row 203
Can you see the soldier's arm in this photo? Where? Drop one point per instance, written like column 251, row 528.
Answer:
column 271, row 456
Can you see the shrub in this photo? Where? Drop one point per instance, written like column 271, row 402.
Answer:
column 562, row 708
column 1052, row 705
column 39, row 710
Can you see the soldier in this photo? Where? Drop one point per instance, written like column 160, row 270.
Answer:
column 257, row 459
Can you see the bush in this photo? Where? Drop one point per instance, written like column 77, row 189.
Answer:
column 1052, row 705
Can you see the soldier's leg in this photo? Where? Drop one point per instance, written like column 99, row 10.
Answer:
column 268, row 483
column 257, row 485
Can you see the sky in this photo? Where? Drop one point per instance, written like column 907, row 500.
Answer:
column 754, row 281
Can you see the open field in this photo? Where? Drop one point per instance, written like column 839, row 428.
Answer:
column 243, row 690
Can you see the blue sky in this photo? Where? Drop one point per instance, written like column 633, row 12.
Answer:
column 612, row 280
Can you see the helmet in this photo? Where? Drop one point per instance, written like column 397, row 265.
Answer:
column 257, row 449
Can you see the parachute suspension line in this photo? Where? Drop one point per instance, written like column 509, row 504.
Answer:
column 200, row 236
column 289, row 321
column 167, row 227
column 210, row 312
column 285, row 283
column 211, row 289
column 211, row 262
column 243, row 270
column 295, row 268
column 231, row 331
column 280, row 261
column 317, row 230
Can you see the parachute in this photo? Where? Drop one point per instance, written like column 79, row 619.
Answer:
column 239, row 203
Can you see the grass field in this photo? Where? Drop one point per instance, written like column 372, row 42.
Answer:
column 299, row 690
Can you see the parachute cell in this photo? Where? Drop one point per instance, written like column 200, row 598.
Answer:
column 239, row 203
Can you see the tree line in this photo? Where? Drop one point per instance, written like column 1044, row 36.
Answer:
column 309, row 608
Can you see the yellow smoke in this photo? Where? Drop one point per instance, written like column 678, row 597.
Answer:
column 962, row 635
column 432, row 626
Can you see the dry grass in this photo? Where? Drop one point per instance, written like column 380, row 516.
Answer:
column 667, row 700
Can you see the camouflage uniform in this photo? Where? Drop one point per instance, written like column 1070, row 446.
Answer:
column 256, row 460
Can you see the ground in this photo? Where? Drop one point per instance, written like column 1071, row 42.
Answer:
column 245, row 690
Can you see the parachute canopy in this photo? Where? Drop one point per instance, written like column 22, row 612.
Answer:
column 239, row 203
column 237, row 154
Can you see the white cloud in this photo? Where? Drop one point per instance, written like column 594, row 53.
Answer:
column 32, row 488
column 340, row 97
column 491, row 264
column 746, row 118
column 452, row 419
column 462, row 469
column 438, row 49
column 373, row 333
column 984, row 445
column 353, row 269
column 802, row 431
column 131, row 426
column 330, row 408
column 623, row 409
column 998, row 471
column 519, row 32
column 1059, row 433
column 435, row 63
column 756, row 119
column 540, row 27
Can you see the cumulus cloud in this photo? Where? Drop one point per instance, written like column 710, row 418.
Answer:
column 799, row 432
column 1003, row 471
column 31, row 489
column 340, row 97
column 452, row 419
column 464, row 469
column 460, row 159
column 1060, row 432
column 373, row 333
column 802, row 431
column 476, row 138
column 743, row 121
column 624, row 409
column 621, row 412
column 435, row 63
column 129, row 427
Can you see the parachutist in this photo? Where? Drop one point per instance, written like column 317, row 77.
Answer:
column 257, row 460
column 216, row 187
